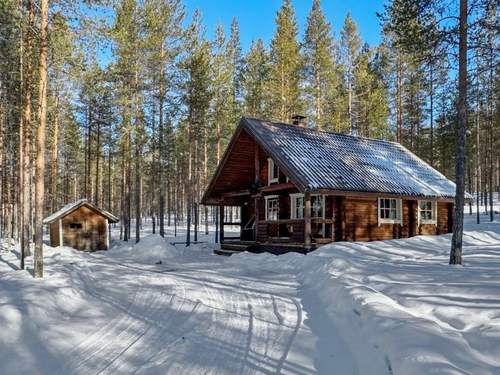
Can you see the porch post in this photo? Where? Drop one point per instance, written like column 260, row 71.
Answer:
column 307, row 221
column 257, row 183
column 221, row 222
column 216, row 224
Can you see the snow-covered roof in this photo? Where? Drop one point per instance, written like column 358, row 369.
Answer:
column 318, row 160
column 332, row 161
column 70, row 207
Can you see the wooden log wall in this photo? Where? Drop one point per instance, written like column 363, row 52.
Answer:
column 361, row 221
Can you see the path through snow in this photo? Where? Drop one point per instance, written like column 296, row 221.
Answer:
column 112, row 313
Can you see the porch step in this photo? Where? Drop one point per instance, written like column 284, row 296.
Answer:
column 234, row 246
column 229, row 248
column 226, row 252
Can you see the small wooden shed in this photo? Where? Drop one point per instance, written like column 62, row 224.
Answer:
column 80, row 225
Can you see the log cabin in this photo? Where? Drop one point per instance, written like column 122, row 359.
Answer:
column 292, row 188
column 80, row 225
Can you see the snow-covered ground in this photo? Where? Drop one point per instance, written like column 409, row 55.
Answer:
column 390, row 307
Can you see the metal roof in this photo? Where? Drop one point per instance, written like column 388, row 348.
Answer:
column 70, row 207
column 317, row 160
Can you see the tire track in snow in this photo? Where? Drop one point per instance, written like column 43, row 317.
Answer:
column 114, row 336
column 161, row 339
column 144, row 340
column 85, row 347
column 292, row 336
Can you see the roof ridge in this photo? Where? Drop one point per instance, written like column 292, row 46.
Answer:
column 280, row 123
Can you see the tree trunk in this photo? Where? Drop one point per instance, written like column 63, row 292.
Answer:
column 431, row 120
column 478, row 163
column 53, row 157
column 97, row 164
column 40, row 141
column 25, row 156
column 137, row 187
column 399, row 99
column 458, row 220
column 161, row 147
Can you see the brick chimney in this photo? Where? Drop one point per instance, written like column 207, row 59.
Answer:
column 299, row 120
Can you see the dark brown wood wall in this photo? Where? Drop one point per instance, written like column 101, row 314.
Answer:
column 361, row 221
column 356, row 219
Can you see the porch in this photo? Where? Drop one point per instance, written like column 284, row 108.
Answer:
column 277, row 221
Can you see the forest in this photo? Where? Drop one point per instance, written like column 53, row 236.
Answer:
column 129, row 104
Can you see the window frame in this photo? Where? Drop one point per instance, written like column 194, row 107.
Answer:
column 323, row 200
column 433, row 220
column 270, row 170
column 293, row 206
column 398, row 208
column 267, row 198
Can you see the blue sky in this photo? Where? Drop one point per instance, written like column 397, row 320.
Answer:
column 256, row 17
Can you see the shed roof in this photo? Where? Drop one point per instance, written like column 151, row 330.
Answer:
column 318, row 160
column 70, row 207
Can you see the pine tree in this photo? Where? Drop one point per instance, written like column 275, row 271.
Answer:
column 40, row 138
column 163, row 20
column 424, row 36
column 196, row 99
column 350, row 47
column 319, row 68
column 286, row 65
column 371, row 106
column 222, row 88
column 235, row 59
column 255, row 77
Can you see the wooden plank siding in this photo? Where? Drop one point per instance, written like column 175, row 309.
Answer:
column 93, row 232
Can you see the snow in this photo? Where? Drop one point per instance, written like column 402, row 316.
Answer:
column 387, row 307
column 151, row 249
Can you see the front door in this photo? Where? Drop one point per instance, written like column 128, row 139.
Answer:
column 248, row 221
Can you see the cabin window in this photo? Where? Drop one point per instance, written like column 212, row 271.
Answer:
column 427, row 212
column 317, row 206
column 272, row 207
column 297, row 204
column 273, row 172
column 75, row 226
column 389, row 211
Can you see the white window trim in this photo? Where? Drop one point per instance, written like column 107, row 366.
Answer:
column 267, row 197
column 270, row 168
column 293, row 204
column 433, row 221
column 399, row 209
column 323, row 200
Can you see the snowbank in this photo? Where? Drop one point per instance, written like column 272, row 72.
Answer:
column 402, row 303
column 150, row 249
column 398, row 306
